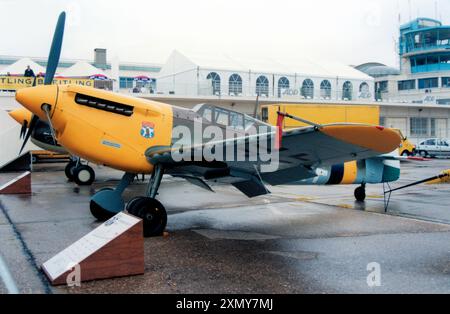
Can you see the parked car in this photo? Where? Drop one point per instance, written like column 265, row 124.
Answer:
column 434, row 147
column 406, row 147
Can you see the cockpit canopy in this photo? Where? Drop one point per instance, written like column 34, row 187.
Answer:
column 229, row 118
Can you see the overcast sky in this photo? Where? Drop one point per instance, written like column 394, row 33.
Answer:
column 346, row 31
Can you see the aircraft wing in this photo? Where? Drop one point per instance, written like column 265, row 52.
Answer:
column 302, row 151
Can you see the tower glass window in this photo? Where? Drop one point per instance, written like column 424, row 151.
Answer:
column 406, row 85
column 262, row 86
column 308, row 88
column 419, row 126
column 433, row 127
column 283, row 84
column 325, row 89
column 347, row 91
column 428, row 83
column 235, row 85
column 215, row 81
column 382, row 86
column 126, row 82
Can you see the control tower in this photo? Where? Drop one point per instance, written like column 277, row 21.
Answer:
column 424, row 48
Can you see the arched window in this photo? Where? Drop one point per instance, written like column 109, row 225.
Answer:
column 262, row 86
column 308, row 88
column 347, row 91
column 283, row 84
column 325, row 89
column 235, row 85
column 364, row 91
column 215, row 81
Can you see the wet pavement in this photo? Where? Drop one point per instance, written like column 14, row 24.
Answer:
column 307, row 239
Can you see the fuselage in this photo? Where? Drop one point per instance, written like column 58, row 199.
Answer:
column 117, row 130
column 372, row 171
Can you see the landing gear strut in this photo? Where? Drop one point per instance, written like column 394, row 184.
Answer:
column 79, row 173
column 107, row 203
column 360, row 193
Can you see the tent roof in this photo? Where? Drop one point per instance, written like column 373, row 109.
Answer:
column 81, row 69
column 18, row 67
column 301, row 65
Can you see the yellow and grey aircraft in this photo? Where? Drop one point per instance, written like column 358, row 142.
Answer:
column 142, row 136
column 41, row 136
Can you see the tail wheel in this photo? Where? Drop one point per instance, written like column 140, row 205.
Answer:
column 153, row 214
column 84, row 175
column 405, row 153
column 360, row 194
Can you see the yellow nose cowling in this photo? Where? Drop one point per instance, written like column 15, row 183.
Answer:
column 33, row 98
column 21, row 115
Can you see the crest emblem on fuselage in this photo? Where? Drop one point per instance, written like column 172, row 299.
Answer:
column 148, row 130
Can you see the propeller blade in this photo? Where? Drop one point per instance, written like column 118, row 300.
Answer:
column 52, row 65
column 55, row 50
column 33, row 123
column 23, row 130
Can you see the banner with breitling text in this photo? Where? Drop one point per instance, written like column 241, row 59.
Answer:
column 13, row 83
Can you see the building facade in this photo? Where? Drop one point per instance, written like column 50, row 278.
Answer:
column 235, row 84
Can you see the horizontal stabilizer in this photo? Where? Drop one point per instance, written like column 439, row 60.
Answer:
column 251, row 188
column 288, row 175
column 195, row 181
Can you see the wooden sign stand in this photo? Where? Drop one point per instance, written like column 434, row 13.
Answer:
column 114, row 249
column 18, row 185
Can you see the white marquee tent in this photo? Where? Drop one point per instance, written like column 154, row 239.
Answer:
column 18, row 68
column 81, row 69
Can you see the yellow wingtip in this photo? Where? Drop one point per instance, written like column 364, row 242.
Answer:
column 376, row 138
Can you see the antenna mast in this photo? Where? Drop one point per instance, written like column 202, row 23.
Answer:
column 410, row 10
column 436, row 9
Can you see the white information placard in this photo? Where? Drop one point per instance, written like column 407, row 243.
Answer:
column 89, row 244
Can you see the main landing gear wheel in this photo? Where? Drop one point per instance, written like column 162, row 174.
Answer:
column 83, row 175
column 70, row 167
column 133, row 201
column 153, row 214
column 360, row 193
column 98, row 211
